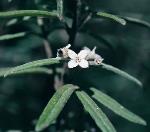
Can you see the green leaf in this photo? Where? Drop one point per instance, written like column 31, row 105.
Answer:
column 27, row 13
column 137, row 21
column 12, row 36
column 116, row 107
column 3, row 71
column 113, row 17
column 12, row 22
column 55, row 106
column 35, row 70
column 32, row 64
column 96, row 113
column 121, row 73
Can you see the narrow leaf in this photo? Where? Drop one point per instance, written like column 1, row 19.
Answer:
column 121, row 73
column 12, row 36
column 113, row 17
column 96, row 113
column 12, row 22
column 60, row 8
column 116, row 107
column 32, row 64
column 137, row 21
column 27, row 13
column 36, row 70
column 55, row 106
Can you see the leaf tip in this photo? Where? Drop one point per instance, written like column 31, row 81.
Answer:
column 123, row 22
column 5, row 75
column 140, row 84
column 39, row 127
column 143, row 122
column 93, row 90
column 74, row 86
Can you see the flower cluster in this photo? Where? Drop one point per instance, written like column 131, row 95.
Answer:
column 84, row 58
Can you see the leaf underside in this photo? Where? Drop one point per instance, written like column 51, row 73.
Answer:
column 95, row 112
column 55, row 106
column 116, row 107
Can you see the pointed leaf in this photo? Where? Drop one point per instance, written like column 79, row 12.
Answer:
column 33, row 64
column 12, row 36
column 27, row 13
column 36, row 70
column 12, row 22
column 55, row 106
column 121, row 73
column 3, row 71
column 137, row 21
column 113, row 17
column 96, row 113
column 116, row 107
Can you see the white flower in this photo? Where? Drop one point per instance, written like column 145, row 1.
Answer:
column 98, row 59
column 64, row 51
column 92, row 55
column 68, row 46
column 78, row 59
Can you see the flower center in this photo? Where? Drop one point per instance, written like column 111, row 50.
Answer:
column 78, row 59
column 98, row 61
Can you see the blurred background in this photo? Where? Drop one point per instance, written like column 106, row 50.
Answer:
column 23, row 97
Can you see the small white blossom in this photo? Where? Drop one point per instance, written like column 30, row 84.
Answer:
column 78, row 59
column 92, row 55
column 64, row 51
column 98, row 59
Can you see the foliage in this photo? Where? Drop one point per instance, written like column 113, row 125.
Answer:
column 54, row 106
column 72, row 26
column 116, row 107
column 96, row 113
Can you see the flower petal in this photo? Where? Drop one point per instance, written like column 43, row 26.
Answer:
column 98, row 57
column 68, row 46
column 72, row 54
column 83, row 53
column 87, row 49
column 84, row 63
column 72, row 64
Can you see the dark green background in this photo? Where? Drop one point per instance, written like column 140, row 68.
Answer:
column 23, row 97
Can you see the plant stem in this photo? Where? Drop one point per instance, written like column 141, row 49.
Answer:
column 47, row 46
column 74, row 29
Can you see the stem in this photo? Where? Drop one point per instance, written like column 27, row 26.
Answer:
column 74, row 29
column 72, row 33
column 45, row 41
column 85, row 20
column 47, row 48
